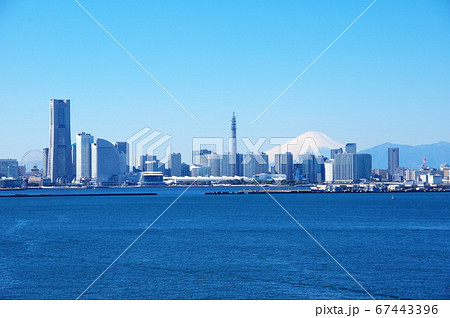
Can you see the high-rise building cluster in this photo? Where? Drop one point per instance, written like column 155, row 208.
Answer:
column 98, row 162
column 348, row 165
column 344, row 166
column 208, row 163
column 411, row 177
column 87, row 161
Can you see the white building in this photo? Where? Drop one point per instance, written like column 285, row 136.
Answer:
column 105, row 163
column 151, row 178
column 200, row 171
column 84, row 156
column 329, row 170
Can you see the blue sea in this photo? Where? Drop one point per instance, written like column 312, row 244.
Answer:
column 224, row 246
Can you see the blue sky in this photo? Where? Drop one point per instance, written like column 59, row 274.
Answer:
column 386, row 79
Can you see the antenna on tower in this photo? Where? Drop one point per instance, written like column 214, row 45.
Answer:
column 233, row 124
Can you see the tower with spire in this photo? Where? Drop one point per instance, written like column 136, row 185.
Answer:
column 233, row 147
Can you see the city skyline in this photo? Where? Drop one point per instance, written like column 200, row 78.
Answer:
column 365, row 69
column 311, row 139
column 99, row 162
column 251, row 151
column 102, row 163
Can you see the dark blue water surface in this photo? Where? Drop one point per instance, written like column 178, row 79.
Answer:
column 225, row 246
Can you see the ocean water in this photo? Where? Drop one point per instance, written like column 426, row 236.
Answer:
column 225, row 246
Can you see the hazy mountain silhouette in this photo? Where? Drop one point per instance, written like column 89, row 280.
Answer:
column 411, row 156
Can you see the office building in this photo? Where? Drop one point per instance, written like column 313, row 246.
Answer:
column 344, row 167
column 174, row 165
column 382, row 174
column 254, row 164
column 363, row 166
column 410, row 175
column 9, row 168
column 320, row 169
column 123, row 159
column 154, row 165
column 60, row 169
column 239, row 165
column 199, row 157
column 143, row 159
column 393, row 160
column 350, row 147
column 84, row 156
column 214, row 162
column 334, row 152
column 284, row 165
column 308, row 167
column 74, row 160
column 225, row 165
column 105, row 163
column 350, row 167
column 185, row 170
column 45, row 162
column 297, row 171
column 200, row 171
column 328, row 166
column 311, row 167
column 124, row 150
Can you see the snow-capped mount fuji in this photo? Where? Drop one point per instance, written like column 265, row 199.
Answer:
column 310, row 142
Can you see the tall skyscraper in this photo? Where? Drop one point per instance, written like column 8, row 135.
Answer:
column 284, row 164
column 124, row 149
column 233, row 148
column 60, row 168
column 84, row 156
column 254, row 164
column 240, row 164
column 363, row 166
column 344, row 167
column 320, row 169
column 350, row 167
column 312, row 168
column 174, row 165
column 309, row 163
column 74, row 160
column 225, row 169
column 214, row 162
column 393, row 160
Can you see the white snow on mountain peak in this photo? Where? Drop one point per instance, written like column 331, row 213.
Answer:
column 310, row 142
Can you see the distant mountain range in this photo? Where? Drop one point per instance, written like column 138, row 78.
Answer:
column 411, row 156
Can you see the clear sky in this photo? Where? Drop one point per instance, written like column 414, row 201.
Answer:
column 385, row 80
